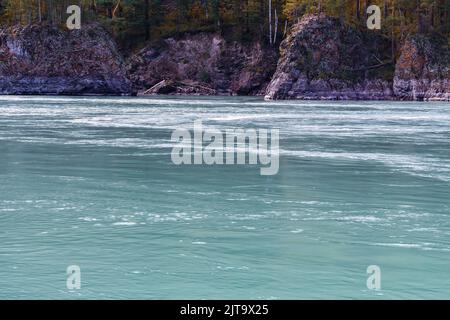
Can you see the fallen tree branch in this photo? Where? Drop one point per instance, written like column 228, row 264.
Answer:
column 372, row 67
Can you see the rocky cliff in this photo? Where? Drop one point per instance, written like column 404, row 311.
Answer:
column 202, row 64
column 46, row 60
column 423, row 70
column 321, row 58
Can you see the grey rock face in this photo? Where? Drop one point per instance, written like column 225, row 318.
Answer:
column 323, row 59
column 423, row 70
column 204, row 64
column 46, row 60
column 320, row 58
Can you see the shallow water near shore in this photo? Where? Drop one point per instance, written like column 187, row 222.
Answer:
column 90, row 182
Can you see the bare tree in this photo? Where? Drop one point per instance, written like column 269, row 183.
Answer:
column 358, row 9
column 115, row 9
column 276, row 27
column 40, row 11
column 270, row 22
column 147, row 19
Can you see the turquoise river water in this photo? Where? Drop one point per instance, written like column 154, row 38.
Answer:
column 90, row 182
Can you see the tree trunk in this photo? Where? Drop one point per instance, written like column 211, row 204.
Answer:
column 116, row 8
column 432, row 16
column 393, row 53
column 420, row 26
column 386, row 9
column 276, row 27
column 358, row 10
column 147, row 19
column 39, row 11
column 270, row 22
column 366, row 5
column 247, row 17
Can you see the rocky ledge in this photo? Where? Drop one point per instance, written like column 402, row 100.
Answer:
column 45, row 60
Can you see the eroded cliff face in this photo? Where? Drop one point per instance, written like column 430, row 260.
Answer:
column 202, row 64
column 46, row 60
column 321, row 58
column 423, row 70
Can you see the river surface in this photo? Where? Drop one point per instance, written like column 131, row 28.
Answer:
column 90, row 182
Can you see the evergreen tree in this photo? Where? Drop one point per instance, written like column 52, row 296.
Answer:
column 137, row 21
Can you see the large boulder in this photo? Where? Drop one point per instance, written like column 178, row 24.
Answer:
column 46, row 60
column 322, row 58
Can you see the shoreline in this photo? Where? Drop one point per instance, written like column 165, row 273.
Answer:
column 207, row 64
column 261, row 97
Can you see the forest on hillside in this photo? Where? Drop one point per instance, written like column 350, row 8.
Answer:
column 134, row 22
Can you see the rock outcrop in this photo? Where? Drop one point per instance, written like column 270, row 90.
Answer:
column 46, row 60
column 423, row 70
column 203, row 64
column 321, row 58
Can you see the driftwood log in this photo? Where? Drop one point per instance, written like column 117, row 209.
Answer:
column 171, row 86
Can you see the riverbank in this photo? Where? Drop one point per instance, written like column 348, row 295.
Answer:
column 320, row 58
